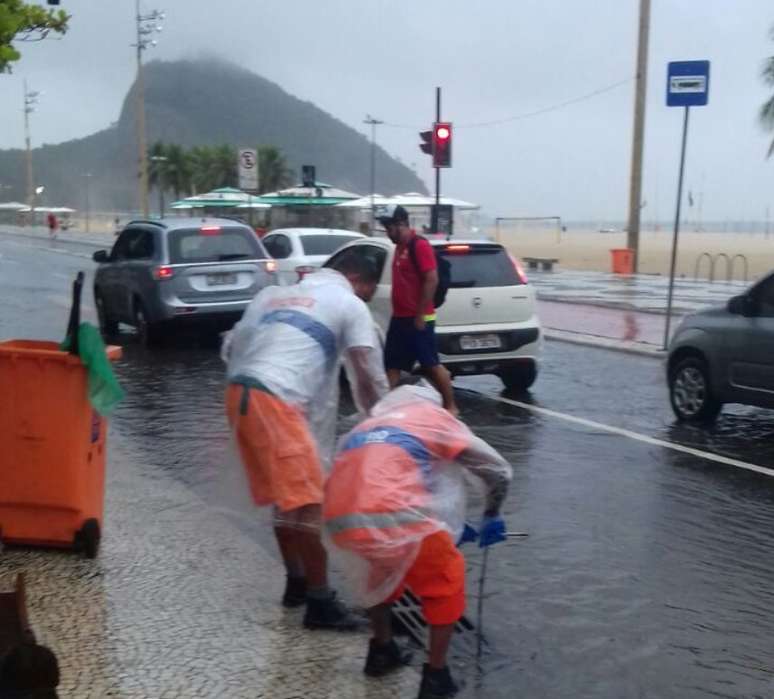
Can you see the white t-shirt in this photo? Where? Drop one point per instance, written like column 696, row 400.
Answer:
column 291, row 338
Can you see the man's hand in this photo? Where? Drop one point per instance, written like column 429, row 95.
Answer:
column 492, row 531
column 419, row 322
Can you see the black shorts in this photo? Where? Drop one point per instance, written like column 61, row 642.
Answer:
column 407, row 346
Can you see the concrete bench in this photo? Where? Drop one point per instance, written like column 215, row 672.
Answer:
column 547, row 263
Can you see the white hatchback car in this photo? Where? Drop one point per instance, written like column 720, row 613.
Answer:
column 300, row 251
column 488, row 323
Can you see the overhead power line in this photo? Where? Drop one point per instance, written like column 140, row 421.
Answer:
column 526, row 115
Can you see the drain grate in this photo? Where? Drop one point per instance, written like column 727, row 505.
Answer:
column 408, row 619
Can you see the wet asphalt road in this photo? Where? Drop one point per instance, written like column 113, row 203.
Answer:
column 646, row 573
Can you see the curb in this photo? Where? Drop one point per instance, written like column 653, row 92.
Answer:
column 641, row 349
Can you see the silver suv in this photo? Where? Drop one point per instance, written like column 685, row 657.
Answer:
column 724, row 355
column 173, row 271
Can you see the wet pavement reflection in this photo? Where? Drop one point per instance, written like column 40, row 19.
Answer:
column 645, row 572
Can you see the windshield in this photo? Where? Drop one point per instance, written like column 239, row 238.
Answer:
column 189, row 246
column 324, row 244
column 478, row 266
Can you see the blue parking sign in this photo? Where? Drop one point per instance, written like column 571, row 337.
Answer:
column 688, row 83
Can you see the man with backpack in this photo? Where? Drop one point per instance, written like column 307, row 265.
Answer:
column 416, row 293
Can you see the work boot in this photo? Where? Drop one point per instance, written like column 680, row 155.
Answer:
column 385, row 658
column 330, row 613
column 295, row 592
column 436, row 684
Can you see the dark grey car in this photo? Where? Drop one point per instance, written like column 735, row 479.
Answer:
column 174, row 271
column 724, row 355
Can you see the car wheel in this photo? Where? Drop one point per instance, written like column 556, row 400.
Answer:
column 690, row 391
column 519, row 378
column 148, row 333
column 107, row 325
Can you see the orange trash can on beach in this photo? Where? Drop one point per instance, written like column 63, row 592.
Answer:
column 52, row 448
column 623, row 260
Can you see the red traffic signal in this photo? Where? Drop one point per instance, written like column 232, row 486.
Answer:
column 442, row 142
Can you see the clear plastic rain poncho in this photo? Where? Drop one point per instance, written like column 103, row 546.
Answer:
column 291, row 341
column 399, row 477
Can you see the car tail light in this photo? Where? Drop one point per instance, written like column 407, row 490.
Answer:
column 163, row 272
column 458, row 248
column 303, row 270
column 210, row 230
column 519, row 269
column 271, row 266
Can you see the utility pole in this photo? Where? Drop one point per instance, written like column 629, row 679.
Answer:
column 635, row 183
column 146, row 25
column 30, row 100
column 374, row 123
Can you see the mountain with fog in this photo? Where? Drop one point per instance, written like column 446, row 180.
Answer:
column 203, row 102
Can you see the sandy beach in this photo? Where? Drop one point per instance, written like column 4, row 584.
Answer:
column 590, row 250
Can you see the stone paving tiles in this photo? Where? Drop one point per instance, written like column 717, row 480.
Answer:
column 181, row 604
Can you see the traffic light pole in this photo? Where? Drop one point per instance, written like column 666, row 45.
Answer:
column 437, row 169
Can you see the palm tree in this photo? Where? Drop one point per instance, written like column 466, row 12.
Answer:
column 273, row 170
column 157, row 168
column 200, row 160
column 178, row 176
column 767, row 110
column 224, row 165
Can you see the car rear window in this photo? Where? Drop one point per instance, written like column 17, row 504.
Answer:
column 324, row 244
column 213, row 244
column 478, row 266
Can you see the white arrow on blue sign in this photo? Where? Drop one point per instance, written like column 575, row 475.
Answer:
column 688, row 83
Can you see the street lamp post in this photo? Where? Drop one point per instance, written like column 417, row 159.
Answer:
column 30, row 100
column 146, row 26
column 374, row 123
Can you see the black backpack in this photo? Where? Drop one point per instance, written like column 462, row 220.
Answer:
column 444, row 272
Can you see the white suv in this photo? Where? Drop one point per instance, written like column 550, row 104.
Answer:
column 488, row 323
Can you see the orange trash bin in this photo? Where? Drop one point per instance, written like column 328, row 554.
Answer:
column 623, row 260
column 52, row 460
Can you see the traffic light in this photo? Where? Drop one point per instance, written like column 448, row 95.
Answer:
column 442, row 143
column 427, row 142
column 308, row 176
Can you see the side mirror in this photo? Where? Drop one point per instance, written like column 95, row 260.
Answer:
column 100, row 256
column 742, row 305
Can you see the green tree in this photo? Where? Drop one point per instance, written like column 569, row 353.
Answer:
column 212, row 167
column 170, row 168
column 273, row 170
column 21, row 21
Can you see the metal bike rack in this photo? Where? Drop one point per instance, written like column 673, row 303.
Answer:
column 698, row 264
column 714, row 259
column 743, row 258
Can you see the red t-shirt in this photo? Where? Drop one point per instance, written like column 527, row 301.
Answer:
column 407, row 281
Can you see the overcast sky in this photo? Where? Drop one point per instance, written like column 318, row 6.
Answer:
column 495, row 59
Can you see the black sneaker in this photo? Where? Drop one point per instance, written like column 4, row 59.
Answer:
column 330, row 613
column 295, row 592
column 436, row 684
column 385, row 658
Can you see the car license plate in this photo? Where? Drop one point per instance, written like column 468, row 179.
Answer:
column 479, row 342
column 221, row 279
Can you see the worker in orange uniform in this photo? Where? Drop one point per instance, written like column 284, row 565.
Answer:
column 284, row 360
column 395, row 504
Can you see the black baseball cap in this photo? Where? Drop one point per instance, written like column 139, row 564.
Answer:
column 393, row 213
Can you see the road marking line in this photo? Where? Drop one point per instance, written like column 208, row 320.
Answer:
column 709, row 456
